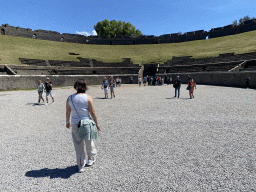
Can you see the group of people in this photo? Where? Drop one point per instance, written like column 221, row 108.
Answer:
column 110, row 84
column 47, row 87
column 160, row 80
column 191, row 87
column 151, row 81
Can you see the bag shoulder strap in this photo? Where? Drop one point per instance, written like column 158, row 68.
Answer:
column 75, row 108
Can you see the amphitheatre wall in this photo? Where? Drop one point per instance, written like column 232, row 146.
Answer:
column 234, row 79
column 128, row 40
column 31, row 81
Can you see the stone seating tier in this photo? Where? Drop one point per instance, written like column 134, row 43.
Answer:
column 198, row 67
column 84, row 62
column 56, row 70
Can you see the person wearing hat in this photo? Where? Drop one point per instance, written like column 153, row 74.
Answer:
column 48, row 89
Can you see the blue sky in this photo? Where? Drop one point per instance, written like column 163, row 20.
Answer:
column 151, row 17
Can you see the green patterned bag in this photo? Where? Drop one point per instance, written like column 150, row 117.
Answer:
column 87, row 130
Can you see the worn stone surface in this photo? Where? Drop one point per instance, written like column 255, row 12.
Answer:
column 149, row 141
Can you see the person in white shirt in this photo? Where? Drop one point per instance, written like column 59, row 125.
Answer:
column 139, row 80
column 80, row 105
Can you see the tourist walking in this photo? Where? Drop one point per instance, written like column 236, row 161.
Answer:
column 144, row 80
column 117, row 81
column 189, row 78
column 111, row 86
column 156, row 82
column 170, row 80
column 131, row 79
column 177, row 85
column 151, row 81
column 248, row 79
column 191, row 87
column 105, row 87
column 40, row 89
column 148, row 79
column 80, row 105
column 120, row 82
column 139, row 81
column 48, row 89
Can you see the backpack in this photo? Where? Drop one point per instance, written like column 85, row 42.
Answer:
column 175, row 84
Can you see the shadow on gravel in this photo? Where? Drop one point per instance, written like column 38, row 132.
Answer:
column 99, row 98
column 53, row 173
column 35, row 104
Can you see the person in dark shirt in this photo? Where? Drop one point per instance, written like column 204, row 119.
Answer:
column 48, row 89
column 248, row 79
column 189, row 78
column 177, row 84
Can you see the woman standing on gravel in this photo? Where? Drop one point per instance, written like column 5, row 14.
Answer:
column 105, row 87
column 192, row 86
column 40, row 89
column 80, row 105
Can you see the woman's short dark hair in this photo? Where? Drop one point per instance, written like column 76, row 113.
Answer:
column 80, row 86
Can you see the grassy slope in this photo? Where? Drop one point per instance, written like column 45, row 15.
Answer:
column 12, row 48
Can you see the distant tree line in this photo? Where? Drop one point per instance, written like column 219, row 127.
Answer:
column 245, row 18
column 116, row 28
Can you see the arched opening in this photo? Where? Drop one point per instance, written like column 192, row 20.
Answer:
column 87, row 41
column 150, row 71
column 133, row 42
column 62, row 39
column 2, row 32
column 34, row 36
column 207, row 37
column 111, row 42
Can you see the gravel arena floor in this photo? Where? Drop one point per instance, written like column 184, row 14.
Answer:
column 150, row 141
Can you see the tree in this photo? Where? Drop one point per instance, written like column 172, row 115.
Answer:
column 235, row 23
column 241, row 20
column 114, row 28
column 103, row 28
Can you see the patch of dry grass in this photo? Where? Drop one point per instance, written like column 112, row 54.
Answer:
column 12, row 48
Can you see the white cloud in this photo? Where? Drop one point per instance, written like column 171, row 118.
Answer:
column 85, row 33
column 94, row 32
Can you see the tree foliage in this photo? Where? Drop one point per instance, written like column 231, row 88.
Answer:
column 116, row 28
column 241, row 20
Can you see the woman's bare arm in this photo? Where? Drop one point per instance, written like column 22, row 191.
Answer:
column 92, row 112
column 68, row 111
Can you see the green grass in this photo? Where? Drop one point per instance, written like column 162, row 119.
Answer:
column 12, row 48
